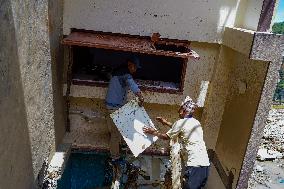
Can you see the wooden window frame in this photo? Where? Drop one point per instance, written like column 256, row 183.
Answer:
column 128, row 43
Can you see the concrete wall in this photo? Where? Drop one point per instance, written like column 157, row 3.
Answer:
column 220, row 81
column 35, row 67
column 253, row 11
column 55, row 25
column 31, row 91
column 217, row 94
column 246, row 82
column 202, row 21
column 248, row 14
column 15, row 150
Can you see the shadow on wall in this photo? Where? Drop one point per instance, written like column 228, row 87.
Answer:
column 55, row 14
column 15, row 148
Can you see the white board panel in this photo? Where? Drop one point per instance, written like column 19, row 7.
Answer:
column 130, row 119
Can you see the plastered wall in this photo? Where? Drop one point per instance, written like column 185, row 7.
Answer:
column 30, row 94
column 235, row 40
column 245, row 87
column 252, row 15
column 200, row 20
column 217, row 94
column 248, row 14
column 15, row 150
column 35, row 67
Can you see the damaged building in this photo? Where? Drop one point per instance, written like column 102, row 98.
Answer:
column 55, row 61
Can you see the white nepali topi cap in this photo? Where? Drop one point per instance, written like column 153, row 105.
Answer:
column 188, row 104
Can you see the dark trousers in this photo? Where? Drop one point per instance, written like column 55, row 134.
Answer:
column 195, row 177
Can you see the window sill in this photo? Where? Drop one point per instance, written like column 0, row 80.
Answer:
column 153, row 86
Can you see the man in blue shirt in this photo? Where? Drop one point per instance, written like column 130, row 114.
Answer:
column 119, row 84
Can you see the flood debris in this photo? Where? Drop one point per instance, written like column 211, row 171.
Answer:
column 128, row 174
column 176, row 164
column 52, row 175
column 269, row 166
column 266, row 154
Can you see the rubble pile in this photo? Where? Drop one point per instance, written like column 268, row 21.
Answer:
column 269, row 167
column 273, row 138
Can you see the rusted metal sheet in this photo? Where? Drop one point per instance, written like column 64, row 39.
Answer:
column 130, row 43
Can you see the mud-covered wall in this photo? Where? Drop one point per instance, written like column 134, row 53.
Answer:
column 216, row 98
column 221, row 79
column 200, row 20
column 89, row 129
column 244, row 90
column 15, row 150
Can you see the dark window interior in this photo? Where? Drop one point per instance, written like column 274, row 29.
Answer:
column 168, row 47
column 93, row 65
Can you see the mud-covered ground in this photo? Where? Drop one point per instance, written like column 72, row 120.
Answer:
column 269, row 167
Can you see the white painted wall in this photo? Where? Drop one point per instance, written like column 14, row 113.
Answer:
column 194, row 20
column 252, row 14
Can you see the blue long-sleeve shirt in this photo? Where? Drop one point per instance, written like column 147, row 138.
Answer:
column 118, row 88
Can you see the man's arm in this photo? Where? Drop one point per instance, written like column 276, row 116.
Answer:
column 152, row 131
column 135, row 89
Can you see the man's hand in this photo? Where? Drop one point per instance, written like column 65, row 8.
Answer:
column 161, row 120
column 141, row 102
column 164, row 121
column 140, row 98
column 148, row 130
column 152, row 131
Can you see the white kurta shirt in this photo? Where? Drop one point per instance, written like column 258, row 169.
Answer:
column 193, row 147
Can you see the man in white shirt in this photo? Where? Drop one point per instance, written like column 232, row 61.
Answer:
column 193, row 149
